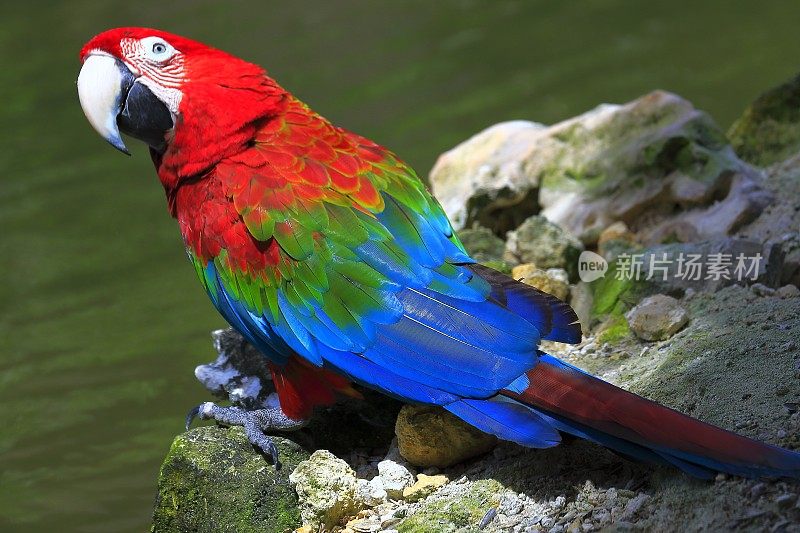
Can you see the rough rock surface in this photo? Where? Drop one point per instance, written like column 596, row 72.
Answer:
column 615, row 238
column 395, row 477
column 327, row 488
column 431, row 436
column 481, row 178
column 657, row 164
column 213, row 480
column 545, row 244
column 769, row 129
column 553, row 281
column 657, row 318
column 424, row 486
column 779, row 223
column 483, row 245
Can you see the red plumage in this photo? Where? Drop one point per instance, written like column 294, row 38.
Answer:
column 301, row 387
column 557, row 389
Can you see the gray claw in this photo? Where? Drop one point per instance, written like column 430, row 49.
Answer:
column 190, row 416
column 255, row 423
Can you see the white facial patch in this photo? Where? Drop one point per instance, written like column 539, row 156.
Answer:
column 171, row 96
column 158, row 66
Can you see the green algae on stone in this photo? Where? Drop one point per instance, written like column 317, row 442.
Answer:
column 615, row 288
column 454, row 508
column 769, row 129
column 482, row 244
column 615, row 328
column 645, row 163
column 212, row 480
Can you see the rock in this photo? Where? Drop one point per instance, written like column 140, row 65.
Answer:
column 430, row 436
column 759, row 289
column 769, row 129
column 788, row 291
column 213, row 480
column 485, row 178
column 553, row 281
column 581, row 302
column 657, row 317
column 370, row 524
column 545, row 244
column 786, row 500
column 483, row 245
column 327, row 489
column 455, row 507
column 657, row 164
column 395, row 477
column 424, row 487
column 616, row 231
column 371, row 492
column 634, row 506
column 614, row 239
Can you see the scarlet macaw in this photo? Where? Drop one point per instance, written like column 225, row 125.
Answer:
column 327, row 253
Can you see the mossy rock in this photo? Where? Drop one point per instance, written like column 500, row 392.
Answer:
column 214, row 480
column 453, row 509
column 769, row 129
column 482, row 244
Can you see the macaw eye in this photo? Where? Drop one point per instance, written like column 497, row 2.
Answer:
column 157, row 49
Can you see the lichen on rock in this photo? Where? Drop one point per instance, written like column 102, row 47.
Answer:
column 327, row 489
column 547, row 245
column 769, row 129
column 213, row 480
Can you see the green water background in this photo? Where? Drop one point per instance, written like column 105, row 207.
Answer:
column 101, row 318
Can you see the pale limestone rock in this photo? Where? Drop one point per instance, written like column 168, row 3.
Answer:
column 327, row 488
column 657, row 164
column 657, row 317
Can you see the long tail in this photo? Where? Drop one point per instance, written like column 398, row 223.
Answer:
column 575, row 402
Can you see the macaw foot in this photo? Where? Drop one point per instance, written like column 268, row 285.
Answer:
column 256, row 424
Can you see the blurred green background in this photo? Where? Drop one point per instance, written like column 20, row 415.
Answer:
column 101, row 318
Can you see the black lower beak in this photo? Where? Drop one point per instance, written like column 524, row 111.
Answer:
column 143, row 116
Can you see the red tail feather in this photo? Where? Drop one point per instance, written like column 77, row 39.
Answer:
column 560, row 390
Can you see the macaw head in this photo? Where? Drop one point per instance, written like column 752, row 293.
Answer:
column 192, row 104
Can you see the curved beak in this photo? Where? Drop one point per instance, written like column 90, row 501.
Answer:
column 113, row 99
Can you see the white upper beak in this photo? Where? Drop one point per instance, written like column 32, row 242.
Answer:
column 100, row 92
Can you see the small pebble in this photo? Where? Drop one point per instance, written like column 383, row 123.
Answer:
column 786, row 500
column 487, row 518
column 757, row 490
column 788, row 291
column 761, row 290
